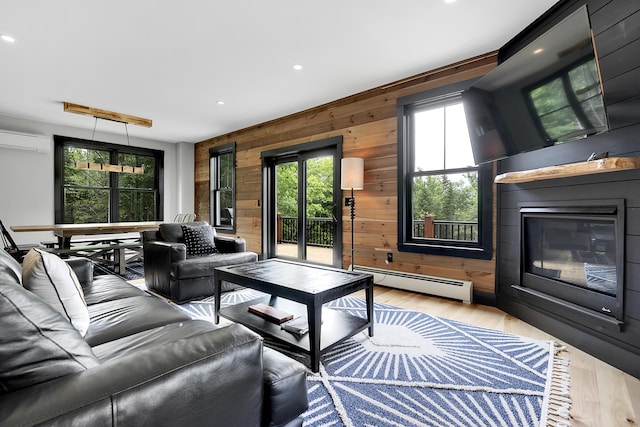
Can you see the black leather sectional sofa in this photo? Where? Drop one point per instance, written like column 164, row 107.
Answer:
column 141, row 362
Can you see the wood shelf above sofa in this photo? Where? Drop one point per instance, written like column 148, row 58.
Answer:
column 610, row 164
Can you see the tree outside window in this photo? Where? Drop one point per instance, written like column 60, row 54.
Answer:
column 137, row 196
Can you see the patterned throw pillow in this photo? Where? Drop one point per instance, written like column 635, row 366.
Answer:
column 199, row 239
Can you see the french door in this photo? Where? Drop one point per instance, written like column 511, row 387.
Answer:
column 301, row 194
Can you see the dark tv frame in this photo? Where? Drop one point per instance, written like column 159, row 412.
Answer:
column 491, row 138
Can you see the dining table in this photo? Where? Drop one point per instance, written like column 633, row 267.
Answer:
column 64, row 232
column 98, row 247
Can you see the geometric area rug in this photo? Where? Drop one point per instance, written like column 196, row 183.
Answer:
column 421, row 370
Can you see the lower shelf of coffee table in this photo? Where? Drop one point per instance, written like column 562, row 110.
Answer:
column 336, row 325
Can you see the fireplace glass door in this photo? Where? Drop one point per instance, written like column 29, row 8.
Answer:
column 580, row 252
column 575, row 257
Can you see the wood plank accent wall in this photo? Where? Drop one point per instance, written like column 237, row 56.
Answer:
column 368, row 125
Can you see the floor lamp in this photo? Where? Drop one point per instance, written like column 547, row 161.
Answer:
column 352, row 172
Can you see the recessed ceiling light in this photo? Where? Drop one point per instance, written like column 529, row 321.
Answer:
column 450, row 1
column 7, row 38
column 220, row 102
column 537, row 51
column 297, row 67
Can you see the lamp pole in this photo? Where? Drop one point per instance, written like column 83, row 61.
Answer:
column 352, row 206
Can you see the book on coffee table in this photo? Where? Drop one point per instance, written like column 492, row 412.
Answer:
column 270, row 313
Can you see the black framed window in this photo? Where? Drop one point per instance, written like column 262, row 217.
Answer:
column 92, row 195
column 444, row 199
column 222, row 179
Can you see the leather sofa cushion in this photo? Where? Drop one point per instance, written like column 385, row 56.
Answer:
column 202, row 266
column 123, row 317
column 152, row 338
column 38, row 344
column 83, row 267
column 109, row 288
column 53, row 280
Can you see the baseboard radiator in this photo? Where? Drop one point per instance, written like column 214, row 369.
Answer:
column 448, row 288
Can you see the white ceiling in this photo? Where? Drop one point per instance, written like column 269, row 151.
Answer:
column 171, row 61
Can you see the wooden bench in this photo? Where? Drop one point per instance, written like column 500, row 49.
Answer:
column 105, row 251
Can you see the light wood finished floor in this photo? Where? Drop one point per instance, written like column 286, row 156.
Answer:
column 602, row 396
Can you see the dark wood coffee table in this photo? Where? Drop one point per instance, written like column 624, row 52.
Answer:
column 300, row 289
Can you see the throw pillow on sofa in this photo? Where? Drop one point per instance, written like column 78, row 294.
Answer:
column 53, row 280
column 38, row 344
column 199, row 239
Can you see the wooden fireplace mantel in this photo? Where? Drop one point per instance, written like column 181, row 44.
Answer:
column 609, row 164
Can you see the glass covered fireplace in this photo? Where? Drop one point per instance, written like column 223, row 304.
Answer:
column 574, row 252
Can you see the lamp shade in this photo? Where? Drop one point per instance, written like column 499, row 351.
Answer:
column 352, row 172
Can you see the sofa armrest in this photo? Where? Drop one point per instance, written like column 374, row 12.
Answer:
column 158, row 259
column 168, row 251
column 230, row 244
column 214, row 378
column 83, row 267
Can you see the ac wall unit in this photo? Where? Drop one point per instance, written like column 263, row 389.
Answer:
column 25, row 141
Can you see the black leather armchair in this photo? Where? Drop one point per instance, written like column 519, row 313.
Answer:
column 171, row 272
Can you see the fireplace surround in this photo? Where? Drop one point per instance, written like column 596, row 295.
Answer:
column 599, row 252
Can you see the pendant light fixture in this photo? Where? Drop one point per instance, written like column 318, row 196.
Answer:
column 111, row 116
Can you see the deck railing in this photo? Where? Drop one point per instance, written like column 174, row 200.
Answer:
column 319, row 231
column 450, row 230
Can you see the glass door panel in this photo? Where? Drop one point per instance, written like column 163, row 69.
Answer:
column 319, row 210
column 287, row 209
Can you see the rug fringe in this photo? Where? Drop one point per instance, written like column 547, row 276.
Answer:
column 558, row 406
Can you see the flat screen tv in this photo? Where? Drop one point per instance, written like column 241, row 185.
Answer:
column 548, row 93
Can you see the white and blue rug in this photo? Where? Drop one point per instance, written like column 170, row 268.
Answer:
column 420, row 370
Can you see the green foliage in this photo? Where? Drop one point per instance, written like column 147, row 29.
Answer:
column 84, row 206
column 287, row 189
column 136, row 206
column 319, row 188
column 446, row 197
column 87, row 193
column 226, row 170
column 452, row 197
